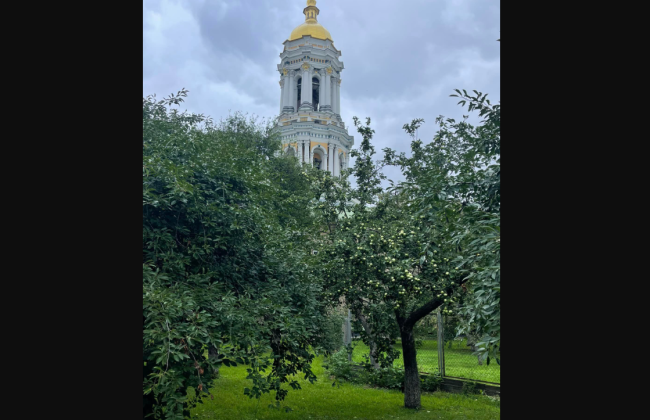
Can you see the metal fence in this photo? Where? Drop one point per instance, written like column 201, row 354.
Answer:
column 455, row 354
column 439, row 349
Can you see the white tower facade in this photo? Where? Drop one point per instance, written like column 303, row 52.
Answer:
column 310, row 121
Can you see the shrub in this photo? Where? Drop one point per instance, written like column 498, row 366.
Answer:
column 388, row 377
column 340, row 367
column 469, row 388
column 343, row 370
column 431, row 383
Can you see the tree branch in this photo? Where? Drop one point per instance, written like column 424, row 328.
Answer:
column 429, row 307
column 423, row 311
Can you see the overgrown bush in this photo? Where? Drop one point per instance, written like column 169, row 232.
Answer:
column 431, row 383
column 469, row 388
column 341, row 368
column 388, row 377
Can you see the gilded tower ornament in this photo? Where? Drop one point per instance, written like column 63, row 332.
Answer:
column 310, row 27
column 311, row 11
column 329, row 70
column 285, row 71
column 305, row 66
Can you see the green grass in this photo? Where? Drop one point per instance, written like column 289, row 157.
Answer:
column 321, row 401
column 459, row 361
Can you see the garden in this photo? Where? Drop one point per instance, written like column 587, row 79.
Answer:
column 250, row 262
column 322, row 401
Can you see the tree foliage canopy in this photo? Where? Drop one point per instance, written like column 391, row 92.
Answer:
column 457, row 176
column 430, row 242
column 228, row 277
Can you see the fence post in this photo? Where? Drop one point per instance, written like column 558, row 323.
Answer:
column 441, row 345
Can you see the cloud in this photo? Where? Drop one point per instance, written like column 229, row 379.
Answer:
column 402, row 58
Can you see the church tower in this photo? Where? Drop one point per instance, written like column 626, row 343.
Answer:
column 310, row 121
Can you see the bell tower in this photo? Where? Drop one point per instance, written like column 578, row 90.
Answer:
column 310, row 121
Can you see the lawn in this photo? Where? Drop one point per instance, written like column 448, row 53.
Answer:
column 459, row 361
column 321, row 401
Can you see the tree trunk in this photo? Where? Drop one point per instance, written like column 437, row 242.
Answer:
column 411, row 374
column 371, row 339
column 276, row 340
column 373, row 354
column 213, row 353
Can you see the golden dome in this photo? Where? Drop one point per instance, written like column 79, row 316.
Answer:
column 315, row 30
column 311, row 26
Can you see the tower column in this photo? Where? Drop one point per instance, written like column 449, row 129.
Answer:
column 328, row 94
column 337, row 89
column 281, row 95
column 335, row 161
column 299, row 144
column 286, row 90
column 292, row 93
column 330, row 157
column 311, row 155
column 306, row 85
column 327, row 90
column 332, row 94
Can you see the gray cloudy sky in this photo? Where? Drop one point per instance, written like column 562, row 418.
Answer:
column 403, row 58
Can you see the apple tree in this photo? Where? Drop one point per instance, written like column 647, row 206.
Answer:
column 389, row 258
column 457, row 177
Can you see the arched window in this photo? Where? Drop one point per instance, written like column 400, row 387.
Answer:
column 318, row 160
column 315, row 89
column 299, row 92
